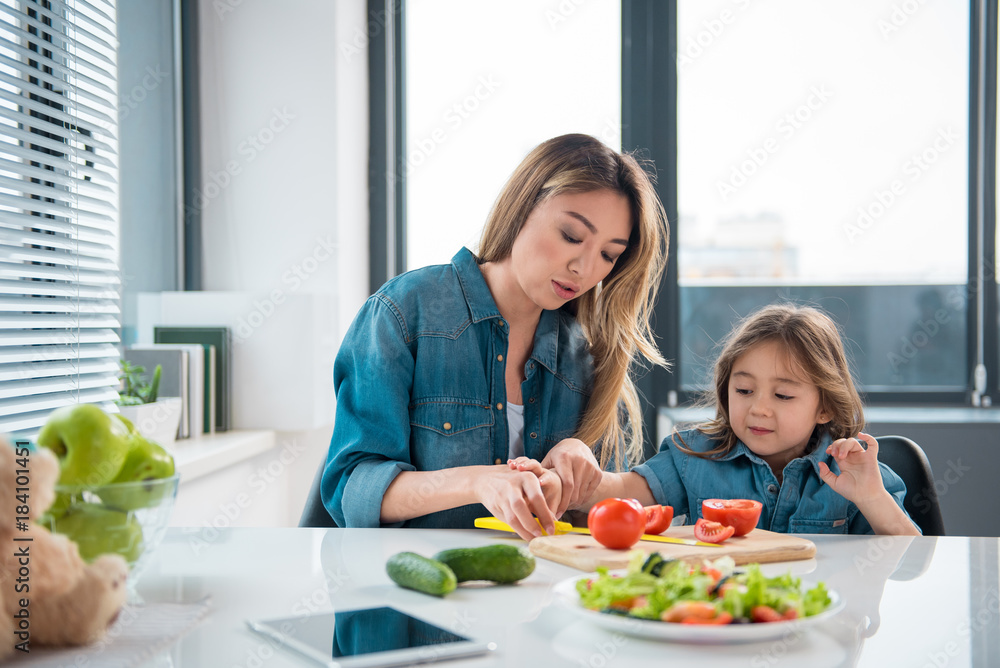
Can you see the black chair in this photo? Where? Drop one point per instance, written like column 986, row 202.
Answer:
column 910, row 463
column 315, row 514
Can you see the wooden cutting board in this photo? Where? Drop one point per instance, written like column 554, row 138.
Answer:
column 583, row 552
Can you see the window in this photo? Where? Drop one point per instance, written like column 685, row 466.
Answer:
column 477, row 101
column 59, row 283
column 834, row 153
column 823, row 153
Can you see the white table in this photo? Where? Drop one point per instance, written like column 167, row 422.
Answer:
column 910, row 602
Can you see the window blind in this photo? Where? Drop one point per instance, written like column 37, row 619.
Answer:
column 60, row 283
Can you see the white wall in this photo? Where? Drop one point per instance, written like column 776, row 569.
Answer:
column 284, row 127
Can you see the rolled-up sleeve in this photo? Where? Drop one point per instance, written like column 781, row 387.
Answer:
column 664, row 480
column 373, row 377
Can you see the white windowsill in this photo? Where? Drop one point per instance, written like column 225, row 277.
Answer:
column 197, row 457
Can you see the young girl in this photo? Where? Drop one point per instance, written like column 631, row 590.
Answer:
column 787, row 432
column 449, row 371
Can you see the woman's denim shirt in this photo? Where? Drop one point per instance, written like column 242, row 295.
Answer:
column 802, row 503
column 420, row 386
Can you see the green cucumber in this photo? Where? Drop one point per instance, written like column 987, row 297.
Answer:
column 496, row 563
column 413, row 571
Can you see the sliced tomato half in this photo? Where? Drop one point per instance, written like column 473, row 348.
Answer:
column 741, row 514
column 711, row 532
column 658, row 518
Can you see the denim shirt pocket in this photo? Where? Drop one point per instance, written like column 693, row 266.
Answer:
column 446, row 433
column 825, row 525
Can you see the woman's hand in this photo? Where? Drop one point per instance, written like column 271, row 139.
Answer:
column 516, row 497
column 860, row 479
column 575, row 464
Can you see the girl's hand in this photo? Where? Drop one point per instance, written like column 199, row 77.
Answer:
column 860, row 479
column 575, row 464
column 550, row 481
column 516, row 497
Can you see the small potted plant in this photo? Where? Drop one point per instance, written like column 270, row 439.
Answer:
column 155, row 418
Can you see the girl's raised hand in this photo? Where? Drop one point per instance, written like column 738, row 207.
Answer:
column 860, row 479
column 577, row 468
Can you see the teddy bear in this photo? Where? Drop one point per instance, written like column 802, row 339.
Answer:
column 49, row 596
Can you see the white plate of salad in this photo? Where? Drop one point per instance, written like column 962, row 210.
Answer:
column 716, row 603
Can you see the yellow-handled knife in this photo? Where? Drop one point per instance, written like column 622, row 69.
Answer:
column 566, row 527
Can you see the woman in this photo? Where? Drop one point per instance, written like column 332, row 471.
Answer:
column 450, row 371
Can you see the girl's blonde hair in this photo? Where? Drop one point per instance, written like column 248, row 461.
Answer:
column 814, row 347
column 615, row 314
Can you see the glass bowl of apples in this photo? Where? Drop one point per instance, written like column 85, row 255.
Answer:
column 116, row 488
column 124, row 518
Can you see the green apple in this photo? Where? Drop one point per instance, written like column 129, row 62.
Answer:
column 90, row 446
column 99, row 530
column 146, row 464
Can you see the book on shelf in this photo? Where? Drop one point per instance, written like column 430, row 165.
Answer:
column 191, row 378
column 218, row 364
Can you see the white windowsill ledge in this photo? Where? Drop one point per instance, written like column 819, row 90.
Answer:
column 197, row 457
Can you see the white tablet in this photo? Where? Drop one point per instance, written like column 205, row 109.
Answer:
column 368, row 638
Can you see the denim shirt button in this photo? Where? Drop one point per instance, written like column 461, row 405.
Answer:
column 498, row 461
column 499, row 407
column 772, row 489
column 447, row 426
column 499, row 358
column 502, row 323
column 533, row 435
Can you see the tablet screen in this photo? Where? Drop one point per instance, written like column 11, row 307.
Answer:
column 374, row 636
column 383, row 629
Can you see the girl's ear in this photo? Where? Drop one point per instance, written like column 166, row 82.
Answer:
column 823, row 416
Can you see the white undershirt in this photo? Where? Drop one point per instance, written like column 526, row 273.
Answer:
column 515, row 430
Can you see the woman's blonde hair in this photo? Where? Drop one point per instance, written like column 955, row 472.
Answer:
column 614, row 315
column 815, row 349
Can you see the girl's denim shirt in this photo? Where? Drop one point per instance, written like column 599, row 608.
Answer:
column 802, row 503
column 420, row 386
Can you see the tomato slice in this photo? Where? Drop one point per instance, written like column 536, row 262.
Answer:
column 765, row 614
column 711, row 532
column 741, row 514
column 617, row 523
column 658, row 518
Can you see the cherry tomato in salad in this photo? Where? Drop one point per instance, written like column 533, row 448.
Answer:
column 741, row 514
column 658, row 518
column 617, row 523
column 711, row 532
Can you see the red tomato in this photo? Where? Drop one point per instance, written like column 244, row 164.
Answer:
column 711, row 532
column 617, row 523
column 741, row 514
column 765, row 613
column 658, row 518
